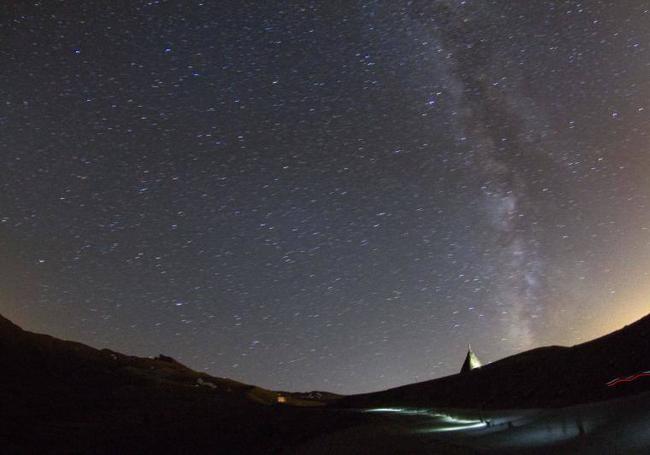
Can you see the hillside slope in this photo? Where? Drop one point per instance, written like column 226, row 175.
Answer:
column 62, row 396
column 545, row 377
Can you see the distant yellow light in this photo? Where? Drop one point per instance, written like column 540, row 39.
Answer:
column 282, row 399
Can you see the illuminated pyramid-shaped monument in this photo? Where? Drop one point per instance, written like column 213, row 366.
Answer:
column 471, row 361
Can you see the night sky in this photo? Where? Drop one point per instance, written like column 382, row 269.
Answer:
column 325, row 195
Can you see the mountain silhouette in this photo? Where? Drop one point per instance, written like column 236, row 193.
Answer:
column 550, row 376
column 65, row 397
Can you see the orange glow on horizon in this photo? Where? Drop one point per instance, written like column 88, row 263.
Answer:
column 628, row 309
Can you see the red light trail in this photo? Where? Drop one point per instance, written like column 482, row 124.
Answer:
column 617, row 381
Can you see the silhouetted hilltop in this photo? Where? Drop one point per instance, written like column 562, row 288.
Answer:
column 544, row 377
column 63, row 396
column 6, row 326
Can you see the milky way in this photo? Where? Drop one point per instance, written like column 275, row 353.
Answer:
column 489, row 109
column 325, row 196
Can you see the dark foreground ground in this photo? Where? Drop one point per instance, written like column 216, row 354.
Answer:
column 619, row 426
column 64, row 397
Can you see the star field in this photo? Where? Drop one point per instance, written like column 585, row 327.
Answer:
column 325, row 195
